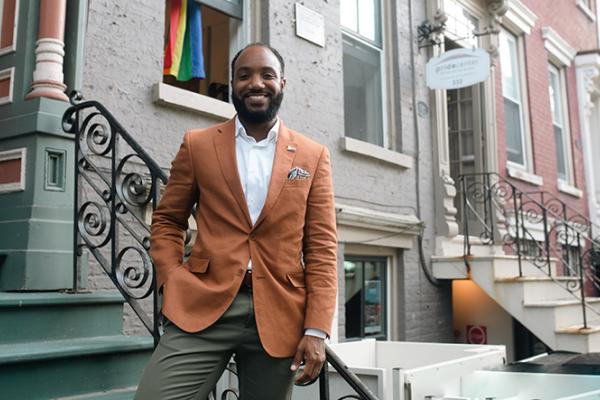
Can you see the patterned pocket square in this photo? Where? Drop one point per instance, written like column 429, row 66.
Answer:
column 297, row 174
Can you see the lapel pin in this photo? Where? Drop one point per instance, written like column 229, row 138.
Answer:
column 291, row 149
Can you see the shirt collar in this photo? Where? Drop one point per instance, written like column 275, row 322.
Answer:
column 241, row 131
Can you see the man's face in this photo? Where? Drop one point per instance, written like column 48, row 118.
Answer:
column 257, row 85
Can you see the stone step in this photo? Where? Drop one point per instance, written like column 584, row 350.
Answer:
column 58, row 368
column 567, row 312
column 578, row 338
column 26, row 317
column 503, row 266
column 543, row 288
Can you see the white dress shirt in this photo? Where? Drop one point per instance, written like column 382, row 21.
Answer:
column 255, row 165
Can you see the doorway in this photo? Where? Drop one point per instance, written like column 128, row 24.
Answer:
column 465, row 138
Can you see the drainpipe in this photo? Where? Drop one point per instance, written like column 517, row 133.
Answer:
column 49, row 52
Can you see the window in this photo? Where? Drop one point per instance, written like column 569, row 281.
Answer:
column 8, row 25
column 365, row 297
column 363, row 71
column 560, row 121
column 512, row 91
column 198, row 59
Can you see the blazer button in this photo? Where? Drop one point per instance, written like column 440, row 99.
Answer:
column 253, row 236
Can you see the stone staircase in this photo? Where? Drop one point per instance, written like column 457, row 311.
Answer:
column 68, row 346
column 538, row 301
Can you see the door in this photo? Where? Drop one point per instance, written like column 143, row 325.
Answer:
column 465, row 140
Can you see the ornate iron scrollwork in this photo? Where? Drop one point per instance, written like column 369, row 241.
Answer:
column 539, row 229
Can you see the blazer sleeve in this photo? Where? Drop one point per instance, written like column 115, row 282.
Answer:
column 170, row 219
column 320, row 249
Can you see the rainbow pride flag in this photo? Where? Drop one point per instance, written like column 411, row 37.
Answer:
column 183, row 53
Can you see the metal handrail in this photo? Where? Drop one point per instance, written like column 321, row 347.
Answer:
column 123, row 181
column 534, row 226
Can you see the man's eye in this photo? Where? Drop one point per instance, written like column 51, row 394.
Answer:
column 269, row 76
column 243, row 76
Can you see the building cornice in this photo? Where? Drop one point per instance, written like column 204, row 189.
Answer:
column 519, row 18
column 560, row 50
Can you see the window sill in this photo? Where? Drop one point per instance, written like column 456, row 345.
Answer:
column 524, row 176
column 370, row 150
column 189, row 101
column 568, row 189
column 586, row 10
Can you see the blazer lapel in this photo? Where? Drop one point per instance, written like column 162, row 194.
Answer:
column 284, row 158
column 225, row 149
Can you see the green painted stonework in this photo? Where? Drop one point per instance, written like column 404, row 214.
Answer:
column 37, row 224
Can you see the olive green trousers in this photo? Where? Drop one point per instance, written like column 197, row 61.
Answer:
column 187, row 366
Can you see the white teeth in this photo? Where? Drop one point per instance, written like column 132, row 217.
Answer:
column 256, row 96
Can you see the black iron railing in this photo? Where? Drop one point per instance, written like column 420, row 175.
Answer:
column 536, row 227
column 117, row 187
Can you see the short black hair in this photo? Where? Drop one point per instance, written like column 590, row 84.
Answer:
column 266, row 46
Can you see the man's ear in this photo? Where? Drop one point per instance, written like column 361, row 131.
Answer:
column 283, row 82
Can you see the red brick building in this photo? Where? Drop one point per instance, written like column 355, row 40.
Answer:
column 516, row 188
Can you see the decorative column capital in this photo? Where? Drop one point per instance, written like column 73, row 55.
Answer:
column 496, row 10
column 591, row 87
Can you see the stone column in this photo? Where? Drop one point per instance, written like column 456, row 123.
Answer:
column 48, row 75
column 588, row 93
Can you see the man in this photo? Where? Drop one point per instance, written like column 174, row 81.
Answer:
column 260, row 283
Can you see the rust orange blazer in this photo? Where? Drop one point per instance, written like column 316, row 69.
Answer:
column 292, row 245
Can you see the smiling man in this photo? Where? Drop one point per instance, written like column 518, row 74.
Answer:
column 260, row 283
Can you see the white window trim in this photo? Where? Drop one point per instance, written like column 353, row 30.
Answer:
column 10, row 74
column 190, row 101
column 15, row 154
column 567, row 188
column 359, row 226
column 385, row 62
column 586, row 10
column 524, row 92
column 564, row 109
column 13, row 46
column 516, row 171
column 560, row 51
column 372, row 150
column 519, row 18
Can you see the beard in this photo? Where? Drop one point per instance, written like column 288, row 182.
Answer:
column 257, row 117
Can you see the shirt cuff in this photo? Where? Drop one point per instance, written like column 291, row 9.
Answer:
column 315, row 332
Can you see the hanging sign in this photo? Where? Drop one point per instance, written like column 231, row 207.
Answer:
column 458, row 68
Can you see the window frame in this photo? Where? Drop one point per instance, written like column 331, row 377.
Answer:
column 526, row 140
column 561, row 55
column 560, row 73
column 384, row 73
column 242, row 31
column 226, row 7
column 12, row 47
column 386, row 295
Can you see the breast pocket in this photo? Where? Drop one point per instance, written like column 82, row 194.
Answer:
column 298, row 183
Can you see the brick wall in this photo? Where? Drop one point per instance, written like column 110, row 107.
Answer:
column 570, row 22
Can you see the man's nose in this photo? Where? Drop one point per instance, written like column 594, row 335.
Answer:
column 256, row 82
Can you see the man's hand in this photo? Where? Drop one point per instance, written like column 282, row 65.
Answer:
column 311, row 350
